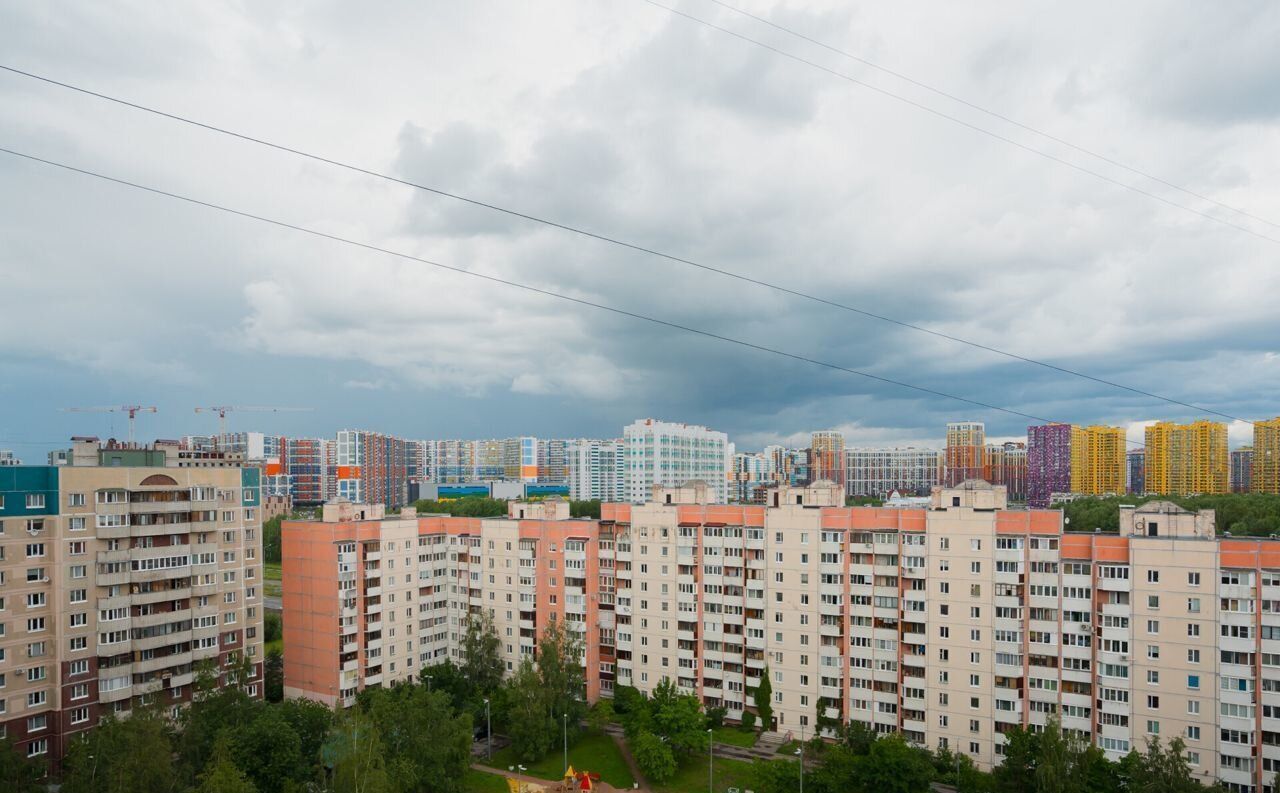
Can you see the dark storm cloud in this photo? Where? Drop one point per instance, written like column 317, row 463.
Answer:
column 621, row 119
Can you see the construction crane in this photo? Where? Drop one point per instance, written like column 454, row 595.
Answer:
column 132, row 410
column 223, row 410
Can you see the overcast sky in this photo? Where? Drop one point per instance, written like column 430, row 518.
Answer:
column 627, row 120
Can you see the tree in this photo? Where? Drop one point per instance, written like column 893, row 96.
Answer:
column 653, row 757
column 18, row 773
column 1056, row 760
column 273, row 676
column 221, row 774
column 272, row 626
column 531, row 726
column 271, row 540
column 775, row 776
column 358, row 762
column 678, row 720
column 562, row 676
column 481, row 655
column 269, row 751
column 1162, row 770
column 448, row 678
column 212, row 710
column 129, row 756
column 427, row 745
column 600, row 715
column 893, row 766
column 585, row 509
column 764, row 701
column 1017, row 773
column 311, row 721
column 626, row 699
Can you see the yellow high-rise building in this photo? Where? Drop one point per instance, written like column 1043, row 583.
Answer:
column 1187, row 459
column 1266, row 457
column 1097, row 460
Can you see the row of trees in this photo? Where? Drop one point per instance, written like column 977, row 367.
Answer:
column 396, row 740
column 1252, row 514
column 481, row 507
column 1052, row 761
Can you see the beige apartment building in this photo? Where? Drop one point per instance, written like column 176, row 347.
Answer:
column 120, row 574
column 949, row 624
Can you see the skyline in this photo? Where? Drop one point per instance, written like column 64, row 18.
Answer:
column 606, row 125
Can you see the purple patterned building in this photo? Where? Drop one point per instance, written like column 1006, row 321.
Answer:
column 1048, row 463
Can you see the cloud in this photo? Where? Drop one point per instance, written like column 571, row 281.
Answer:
column 631, row 123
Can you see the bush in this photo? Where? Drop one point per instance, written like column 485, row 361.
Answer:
column 272, row 626
column 748, row 720
column 715, row 717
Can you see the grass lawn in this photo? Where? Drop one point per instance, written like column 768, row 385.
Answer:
column 593, row 752
column 484, row 782
column 789, row 748
column 691, row 777
column 271, row 576
column 736, row 736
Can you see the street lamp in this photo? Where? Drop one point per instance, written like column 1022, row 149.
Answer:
column 800, row 754
column 711, row 764
column 488, row 732
column 565, row 718
column 428, row 684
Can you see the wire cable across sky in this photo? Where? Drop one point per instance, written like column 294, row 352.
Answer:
column 526, row 287
column 992, row 113
column 645, row 249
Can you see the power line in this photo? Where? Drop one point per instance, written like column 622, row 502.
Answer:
column 526, row 287
column 620, row 242
column 991, row 113
column 962, row 122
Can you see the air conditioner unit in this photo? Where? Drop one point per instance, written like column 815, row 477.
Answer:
column 1085, row 627
column 21, row 672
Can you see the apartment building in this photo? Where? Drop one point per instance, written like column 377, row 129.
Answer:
column 827, row 458
column 1048, row 462
column 965, row 451
column 596, row 469
column 1006, row 464
column 121, row 572
column 1187, row 459
column 8, row 458
column 949, row 623
column 372, row 467
column 370, row 598
column 1242, row 470
column 1136, row 479
column 305, row 461
column 1265, row 477
column 880, row 472
column 665, row 454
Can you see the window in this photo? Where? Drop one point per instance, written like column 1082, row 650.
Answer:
column 75, row 499
column 35, row 500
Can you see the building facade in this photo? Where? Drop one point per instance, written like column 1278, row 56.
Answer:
column 596, row 469
column 372, row 467
column 1266, row 457
column 1187, row 459
column 8, row 458
column 1242, row 470
column 1136, row 462
column 950, row 624
column 121, row 574
column 876, row 473
column 1048, row 462
column 966, row 451
column 827, row 457
column 1006, row 465
column 663, row 453
column 1098, row 460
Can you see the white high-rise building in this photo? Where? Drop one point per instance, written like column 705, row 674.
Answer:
column 597, row 469
column 879, row 472
column 669, row 454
